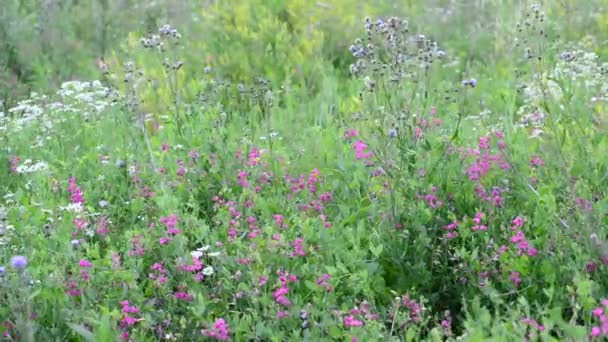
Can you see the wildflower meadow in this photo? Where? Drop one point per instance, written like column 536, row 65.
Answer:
column 339, row 170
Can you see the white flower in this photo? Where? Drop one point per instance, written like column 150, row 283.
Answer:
column 196, row 254
column 29, row 166
column 208, row 271
column 72, row 207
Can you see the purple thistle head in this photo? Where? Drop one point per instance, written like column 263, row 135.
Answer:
column 473, row 82
column 18, row 262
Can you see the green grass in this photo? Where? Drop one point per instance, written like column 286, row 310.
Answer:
column 263, row 177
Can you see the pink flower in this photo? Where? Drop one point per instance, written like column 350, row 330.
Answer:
column 75, row 193
column 323, row 278
column 350, row 133
column 183, row 296
column 533, row 324
column 349, row 321
column 173, row 231
column 595, row 331
column 254, row 157
column 242, row 178
column 128, row 321
column 536, row 162
column 72, row 289
column 477, row 218
column 519, row 236
column 515, row 279
column 280, row 292
column 283, row 301
column 484, row 143
column 85, row 264
column 451, row 235
column 298, row 250
column 218, row 331
column 169, row 221
column 359, row 148
column 598, row 312
column 517, row 222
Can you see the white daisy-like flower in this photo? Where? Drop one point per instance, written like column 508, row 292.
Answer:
column 207, row 271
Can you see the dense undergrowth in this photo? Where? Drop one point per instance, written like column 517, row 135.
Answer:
column 286, row 171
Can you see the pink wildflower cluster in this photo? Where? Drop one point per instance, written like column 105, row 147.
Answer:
column 279, row 221
column 360, row 150
column 355, row 317
column 298, row 249
column 532, row 323
column 414, row 308
column 102, row 225
column 158, row 274
column 451, row 230
column 129, row 317
column 446, row 324
column 13, row 162
column 314, row 177
column 515, row 278
column 536, row 162
column 431, row 198
column 241, row 179
column 425, row 124
column 84, row 274
column 350, row 321
column 72, row 289
column 477, row 222
column 484, row 162
column 253, row 228
column 494, row 196
column 193, row 155
column 600, row 314
column 234, row 215
column 253, row 158
column 136, row 246
column 350, row 133
column 8, row 326
column 80, row 224
column 75, row 192
column 279, row 294
column 583, row 204
column 181, row 170
column 519, row 239
column 169, row 222
column 194, row 267
column 322, row 281
column 309, row 182
column 218, row 331
column 182, row 294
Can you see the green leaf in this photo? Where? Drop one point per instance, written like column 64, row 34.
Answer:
column 376, row 250
column 82, row 331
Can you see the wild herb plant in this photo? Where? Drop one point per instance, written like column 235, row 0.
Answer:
column 278, row 178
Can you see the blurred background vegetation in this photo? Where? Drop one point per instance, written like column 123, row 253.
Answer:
column 46, row 42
